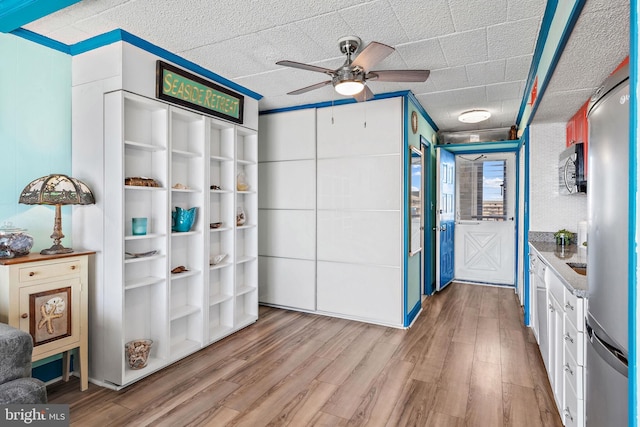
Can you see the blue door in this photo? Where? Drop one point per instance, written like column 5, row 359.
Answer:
column 445, row 217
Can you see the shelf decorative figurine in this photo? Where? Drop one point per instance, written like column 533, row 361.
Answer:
column 241, row 218
column 183, row 219
column 242, row 182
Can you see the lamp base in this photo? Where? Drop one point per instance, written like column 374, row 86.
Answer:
column 56, row 249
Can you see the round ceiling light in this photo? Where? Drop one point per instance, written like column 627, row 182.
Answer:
column 349, row 87
column 474, row 116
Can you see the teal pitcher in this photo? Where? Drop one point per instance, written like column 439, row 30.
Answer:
column 183, row 219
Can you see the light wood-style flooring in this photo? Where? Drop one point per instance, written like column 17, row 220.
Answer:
column 467, row 360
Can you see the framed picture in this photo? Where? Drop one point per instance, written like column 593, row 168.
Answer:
column 50, row 315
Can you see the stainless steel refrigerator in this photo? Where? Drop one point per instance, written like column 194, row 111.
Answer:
column 607, row 253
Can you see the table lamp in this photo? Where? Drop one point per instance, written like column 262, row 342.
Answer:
column 57, row 190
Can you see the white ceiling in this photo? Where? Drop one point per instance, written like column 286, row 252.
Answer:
column 479, row 52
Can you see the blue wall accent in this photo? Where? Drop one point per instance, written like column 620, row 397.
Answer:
column 35, row 130
column 16, row 13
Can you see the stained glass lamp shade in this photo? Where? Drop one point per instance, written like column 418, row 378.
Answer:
column 57, row 190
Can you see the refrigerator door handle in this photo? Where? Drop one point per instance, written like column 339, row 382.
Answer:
column 614, row 357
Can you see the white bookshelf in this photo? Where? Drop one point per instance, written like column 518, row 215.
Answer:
column 194, row 159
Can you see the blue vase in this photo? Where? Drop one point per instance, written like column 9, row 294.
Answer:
column 183, row 219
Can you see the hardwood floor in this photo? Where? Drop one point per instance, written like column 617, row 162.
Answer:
column 468, row 360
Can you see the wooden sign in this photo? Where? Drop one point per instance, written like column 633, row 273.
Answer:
column 180, row 87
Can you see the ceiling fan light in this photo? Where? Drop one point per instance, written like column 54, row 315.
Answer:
column 474, row 116
column 349, row 87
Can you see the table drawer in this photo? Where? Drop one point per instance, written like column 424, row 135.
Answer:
column 35, row 272
column 574, row 342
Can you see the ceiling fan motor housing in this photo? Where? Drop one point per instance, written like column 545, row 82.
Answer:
column 349, row 44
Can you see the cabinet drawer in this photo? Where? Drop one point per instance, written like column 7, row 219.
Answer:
column 573, row 410
column 574, row 342
column 574, row 309
column 46, row 271
column 573, row 374
column 555, row 285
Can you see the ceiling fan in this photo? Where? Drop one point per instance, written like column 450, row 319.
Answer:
column 351, row 78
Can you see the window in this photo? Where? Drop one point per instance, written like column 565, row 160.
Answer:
column 482, row 185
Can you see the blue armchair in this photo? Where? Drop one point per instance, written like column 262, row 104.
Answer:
column 16, row 383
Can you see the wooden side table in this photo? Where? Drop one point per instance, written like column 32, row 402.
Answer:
column 46, row 296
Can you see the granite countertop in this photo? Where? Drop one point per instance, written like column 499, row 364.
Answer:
column 557, row 260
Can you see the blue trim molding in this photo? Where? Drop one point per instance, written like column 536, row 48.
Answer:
column 16, row 13
column 119, row 35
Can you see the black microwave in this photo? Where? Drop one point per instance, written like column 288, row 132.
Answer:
column 571, row 170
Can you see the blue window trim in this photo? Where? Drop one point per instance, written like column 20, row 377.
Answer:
column 525, row 232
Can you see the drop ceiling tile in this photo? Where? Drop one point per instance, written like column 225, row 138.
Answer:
column 425, row 54
column 387, row 29
column 449, row 78
column 474, row 97
column 518, row 67
column 502, row 91
column 484, row 73
column 512, row 38
column 71, row 34
column 421, row 88
column 279, row 46
column 50, row 23
column 421, row 22
column 325, row 30
column 522, row 9
column 465, row 48
column 473, row 14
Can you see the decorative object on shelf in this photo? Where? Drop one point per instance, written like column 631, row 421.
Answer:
column 241, row 218
column 138, row 353
column 179, row 269
column 513, row 132
column 141, row 254
column 183, row 219
column 216, row 259
column 215, row 187
column 215, row 225
column 139, row 226
column 14, row 242
column 563, row 237
column 57, row 190
column 242, row 184
column 141, row 181
column 180, row 186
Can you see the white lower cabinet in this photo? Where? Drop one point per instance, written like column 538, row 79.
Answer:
column 566, row 349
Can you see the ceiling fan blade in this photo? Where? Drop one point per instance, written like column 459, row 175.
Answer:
column 309, row 88
column 398, row 75
column 307, row 67
column 365, row 95
column 371, row 55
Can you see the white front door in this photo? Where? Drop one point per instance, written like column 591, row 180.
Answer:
column 485, row 211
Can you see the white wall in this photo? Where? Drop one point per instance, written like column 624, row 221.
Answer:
column 549, row 210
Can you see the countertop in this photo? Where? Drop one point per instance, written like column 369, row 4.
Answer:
column 557, row 260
